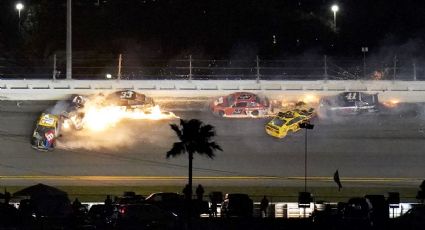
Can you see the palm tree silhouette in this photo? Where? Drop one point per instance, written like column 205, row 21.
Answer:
column 195, row 137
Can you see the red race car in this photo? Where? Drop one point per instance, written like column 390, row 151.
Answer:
column 241, row 104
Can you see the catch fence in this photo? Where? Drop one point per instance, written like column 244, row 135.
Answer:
column 132, row 68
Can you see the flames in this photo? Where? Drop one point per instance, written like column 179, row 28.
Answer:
column 391, row 103
column 311, row 99
column 99, row 117
column 308, row 99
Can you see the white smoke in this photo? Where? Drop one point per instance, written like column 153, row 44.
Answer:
column 124, row 135
column 58, row 108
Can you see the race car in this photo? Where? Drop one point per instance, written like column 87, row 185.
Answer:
column 73, row 114
column 349, row 103
column 288, row 121
column 129, row 99
column 46, row 131
column 241, row 104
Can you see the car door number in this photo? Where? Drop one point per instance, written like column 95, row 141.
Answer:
column 351, row 96
column 50, row 136
column 238, row 111
column 126, row 95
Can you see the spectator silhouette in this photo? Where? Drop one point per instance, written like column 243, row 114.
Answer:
column 213, row 208
column 108, row 206
column 421, row 193
column 7, row 197
column 25, row 212
column 187, row 191
column 108, row 200
column 77, row 207
column 264, row 206
column 76, row 203
column 8, row 214
column 199, row 192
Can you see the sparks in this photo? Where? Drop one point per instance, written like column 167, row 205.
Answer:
column 391, row 103
column 98, row 117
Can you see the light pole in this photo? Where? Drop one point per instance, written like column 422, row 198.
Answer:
column 306, row 126
column 335, row 9
column 69, row 39
column 19, row 6
column 364, row 50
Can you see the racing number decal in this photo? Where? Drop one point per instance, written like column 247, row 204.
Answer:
column 126, row 94
column 351, row 96
column 244, row 97
column 49, row 136
column 238, row 111
column 218, row 101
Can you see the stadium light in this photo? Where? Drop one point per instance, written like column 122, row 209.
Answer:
column 335, row 9
column 19, row 6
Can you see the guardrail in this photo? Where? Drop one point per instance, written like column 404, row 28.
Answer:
column 54, row 90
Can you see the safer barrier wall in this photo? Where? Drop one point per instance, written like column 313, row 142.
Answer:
column 408, row 91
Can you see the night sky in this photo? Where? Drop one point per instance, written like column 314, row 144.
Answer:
column 213, row 28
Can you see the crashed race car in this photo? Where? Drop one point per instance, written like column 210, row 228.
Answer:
column 241, row 104
column 99, row 110
column 289, row 121
column 349, row 103
column 130, row 100
column 46, row 131
column 73, row 114
column 136, row 105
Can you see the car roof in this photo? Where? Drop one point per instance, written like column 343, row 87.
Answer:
column 238, row 96
column 164, row 194
column 48, row 120
column 288, row 115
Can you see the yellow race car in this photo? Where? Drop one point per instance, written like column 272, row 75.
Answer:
column 288, row 121
column 46, row 132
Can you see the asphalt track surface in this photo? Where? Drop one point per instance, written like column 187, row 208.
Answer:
column 385, row 149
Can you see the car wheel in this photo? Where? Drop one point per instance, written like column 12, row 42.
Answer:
column 255, row 113
column 221, row 113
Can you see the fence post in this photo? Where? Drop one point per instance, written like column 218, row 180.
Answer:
column 414, row 70
column 190, row 67
column 54, row 67
column 326, row 68
column 395, row 67
column 119, row 66
column 258, row 70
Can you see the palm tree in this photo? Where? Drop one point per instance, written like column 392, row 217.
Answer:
column 195, row 137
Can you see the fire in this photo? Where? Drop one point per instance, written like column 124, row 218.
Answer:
column 153, row 113
column 391, row 103
column 310, row 98
column 66, row 124
column 99, row 118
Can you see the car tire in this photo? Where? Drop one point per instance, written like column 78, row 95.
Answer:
column 255, row 113
column 221, row 113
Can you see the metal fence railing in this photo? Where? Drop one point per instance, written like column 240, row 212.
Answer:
column 206, row 69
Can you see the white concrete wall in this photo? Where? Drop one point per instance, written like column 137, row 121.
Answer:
column 409, row 91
